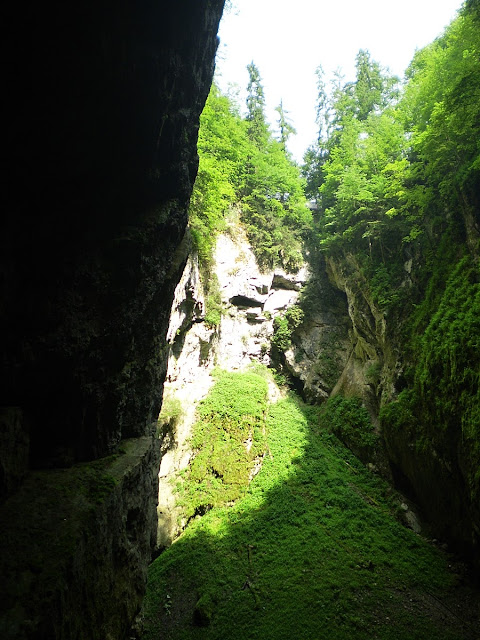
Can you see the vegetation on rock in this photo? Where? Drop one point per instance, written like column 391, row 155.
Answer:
column 396, row 176
column 312, row 547
column 227, row 438
column 284, row 326
column 390, row 174
column 243, row 165
column 313, row 542
column 348, row 419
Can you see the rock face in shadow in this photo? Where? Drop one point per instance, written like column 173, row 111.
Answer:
column 75, row 547
column 348, row 346
column 321, row 345
column 99, row 139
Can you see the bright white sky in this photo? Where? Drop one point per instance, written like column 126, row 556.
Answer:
column 288, row 39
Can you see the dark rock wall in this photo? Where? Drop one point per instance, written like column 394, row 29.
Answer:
column 101, row 109
column 103, row 101
column 75, row 547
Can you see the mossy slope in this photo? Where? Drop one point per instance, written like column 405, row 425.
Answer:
column 226, row 440
column 313, row 550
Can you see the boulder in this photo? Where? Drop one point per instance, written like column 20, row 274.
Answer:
column 283, row 280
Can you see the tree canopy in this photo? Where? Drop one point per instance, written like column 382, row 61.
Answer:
column 394, row 165
column 243, row 165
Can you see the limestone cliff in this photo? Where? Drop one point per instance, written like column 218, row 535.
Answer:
column 102, row 111
column 102, row 160
column 251, row 300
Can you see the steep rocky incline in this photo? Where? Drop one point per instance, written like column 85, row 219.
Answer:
column 346, row 345
column 251, row 300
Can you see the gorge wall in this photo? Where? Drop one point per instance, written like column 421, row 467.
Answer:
column 345, row 347
column 417, row 377
column 251, row 299
column 100, row 146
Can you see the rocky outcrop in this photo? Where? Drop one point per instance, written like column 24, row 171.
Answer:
column 191, row 358
column 251, row 301
column 75, row 547
column 370, row 348
column 103, row 110
column 293, row 281
column 320, row 345
column 102, row 159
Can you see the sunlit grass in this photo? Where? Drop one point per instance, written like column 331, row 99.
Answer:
column 312, row 550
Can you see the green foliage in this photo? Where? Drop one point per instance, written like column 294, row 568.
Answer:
column 442, row 403
column 373, row 372
column 170, row 416
column 284, row 326
column 442, row 108
column 243, row 166
column 450, row 346
column 282, row 334
column 213, row 302
column 348, row 419
column 373, row 89
column 311, row 550
column 435, row 272
column 273, row 201
column 394, row 171
column 227, row 438
column 221, row 142
column 399, row 415
column 447, row 377
column 285, row 126
column 256, row 125
column 384, row 284
column 273, row 207
column 171, row 410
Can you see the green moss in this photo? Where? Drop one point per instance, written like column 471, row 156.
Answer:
column 312, row 549
column 214, row 305
column 348, row 419
column 283, row 327
column 373, row 372
column 441, row 408
column 172, row 410
column 227, row 438
column 447, row 377
column 385, row 280
column 399, row 414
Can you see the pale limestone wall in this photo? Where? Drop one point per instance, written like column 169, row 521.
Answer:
column 242, row 337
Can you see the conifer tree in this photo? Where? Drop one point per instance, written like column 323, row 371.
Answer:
column 285, row 126
column 257, row 127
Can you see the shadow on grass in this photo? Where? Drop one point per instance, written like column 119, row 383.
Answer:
column 313, row 550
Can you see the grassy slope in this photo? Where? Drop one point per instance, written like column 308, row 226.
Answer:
column 312, row 551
